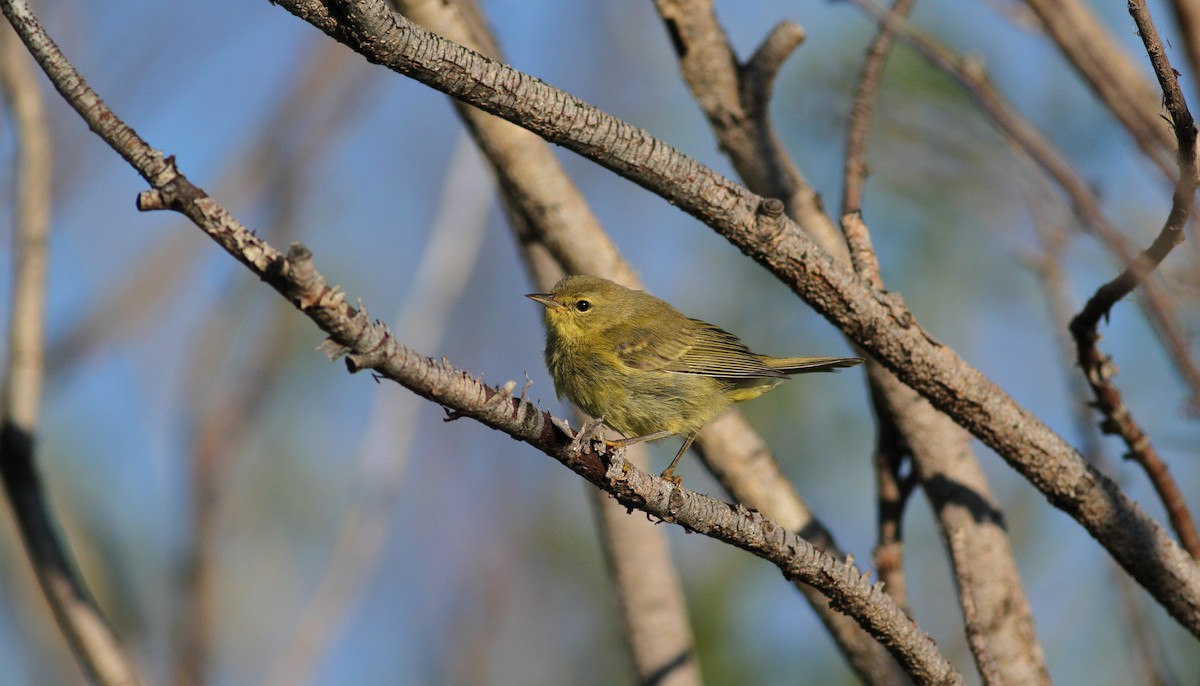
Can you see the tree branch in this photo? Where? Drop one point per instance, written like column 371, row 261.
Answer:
column 92, row 641
column 1187, row 18
column 439, row 381
column 907, row 425
column 1111, row 73
column 1098, row 368
column 877, row 321
column 369, row 345
column 1025, row 137
column 548, row 214
column 1047, row 265
column 869, row 79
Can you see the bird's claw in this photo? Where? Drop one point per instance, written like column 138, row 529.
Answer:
column 669, row 475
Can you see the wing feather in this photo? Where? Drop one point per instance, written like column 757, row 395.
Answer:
column 697, row 348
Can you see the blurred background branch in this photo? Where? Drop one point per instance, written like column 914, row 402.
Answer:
column 557, row 232
column 450, row 255
column 907, row 426
column 96, row 647
column 487, row 571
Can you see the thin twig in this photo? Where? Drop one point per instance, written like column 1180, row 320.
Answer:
column 870, row 76
column 1111, row 73
column 1047, row 266
column 971, row 75
column 1187, row 19
column 1097, row 367
column 369, row 345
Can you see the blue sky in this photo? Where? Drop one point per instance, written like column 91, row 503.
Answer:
column 486, row 548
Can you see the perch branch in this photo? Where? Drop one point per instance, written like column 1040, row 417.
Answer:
column 879, row 322
column 369, row 345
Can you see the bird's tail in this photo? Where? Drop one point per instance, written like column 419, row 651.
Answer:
column 804, row 365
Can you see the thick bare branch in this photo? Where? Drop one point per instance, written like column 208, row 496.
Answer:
column 548, row 214
column 879, row 322
column 996, row 613
column 735, row 98
column 908, row 426
column 369, row 345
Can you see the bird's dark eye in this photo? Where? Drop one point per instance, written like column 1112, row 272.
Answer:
column 583, row 305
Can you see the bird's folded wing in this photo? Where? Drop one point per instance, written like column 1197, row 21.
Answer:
column 697, row 348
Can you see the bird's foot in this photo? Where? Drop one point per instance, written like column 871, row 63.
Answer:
column 669, row 475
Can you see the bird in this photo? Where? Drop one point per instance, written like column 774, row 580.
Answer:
column 646, row 369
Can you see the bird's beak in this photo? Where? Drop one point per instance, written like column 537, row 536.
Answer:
column 545, row 299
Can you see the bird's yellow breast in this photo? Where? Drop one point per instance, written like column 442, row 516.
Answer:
column 637, row 402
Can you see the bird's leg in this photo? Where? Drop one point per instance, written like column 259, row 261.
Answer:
column 626, row 442
column 589, row 427
column 669, row 472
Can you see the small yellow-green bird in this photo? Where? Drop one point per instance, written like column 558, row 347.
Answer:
column 646, row 369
